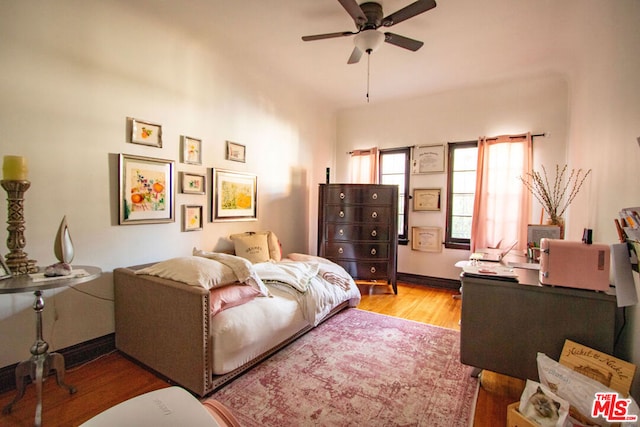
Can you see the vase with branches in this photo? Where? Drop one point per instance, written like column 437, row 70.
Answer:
column 555, row 196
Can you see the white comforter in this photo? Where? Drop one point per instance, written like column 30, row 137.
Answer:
column 318, row 284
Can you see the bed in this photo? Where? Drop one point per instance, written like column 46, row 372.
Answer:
column 170, row 315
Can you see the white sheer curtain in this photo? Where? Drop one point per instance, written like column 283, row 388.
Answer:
column 364, row 166
column 502, row 203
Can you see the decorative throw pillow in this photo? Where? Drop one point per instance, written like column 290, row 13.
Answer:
column 231, row 296
column 275, row 250
column 193, row 271
column 251, row 246
column 273, row 244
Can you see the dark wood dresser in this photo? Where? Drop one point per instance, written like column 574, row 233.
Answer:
column 358, row 229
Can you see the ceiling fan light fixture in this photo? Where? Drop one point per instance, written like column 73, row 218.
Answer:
column 368, row 40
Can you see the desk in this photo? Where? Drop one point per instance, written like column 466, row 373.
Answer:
column 41, row 362
column 505, row 323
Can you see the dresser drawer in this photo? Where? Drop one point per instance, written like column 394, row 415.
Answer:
column 349, row 194
column 375, row 232
column 370, row 214
column 356, row 250
column 365, row 270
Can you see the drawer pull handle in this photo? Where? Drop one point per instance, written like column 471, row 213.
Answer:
column 340, row 251
column 373, row 251
column 374, row 233
column 373, row 270
column 374, row 215
column 341, row 232
column 341, row 214
column 374, row 196
column 342, row 196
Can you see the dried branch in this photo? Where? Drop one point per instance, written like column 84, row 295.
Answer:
column 553, row 199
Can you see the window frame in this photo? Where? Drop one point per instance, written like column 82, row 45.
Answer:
column 403, row 235
column 450, row 242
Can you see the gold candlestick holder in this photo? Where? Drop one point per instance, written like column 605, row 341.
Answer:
column 17, row 259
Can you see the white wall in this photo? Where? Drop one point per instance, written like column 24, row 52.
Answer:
column 72, row 71
column 535, row 104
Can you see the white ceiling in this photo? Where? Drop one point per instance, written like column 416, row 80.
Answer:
column 466, row 43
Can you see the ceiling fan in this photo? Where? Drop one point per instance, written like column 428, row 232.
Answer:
column 368, row 17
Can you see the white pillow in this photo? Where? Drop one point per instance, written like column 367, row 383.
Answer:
column 241, row 267
column 193, row 271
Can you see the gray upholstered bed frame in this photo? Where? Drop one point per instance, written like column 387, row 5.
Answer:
column 165, row 325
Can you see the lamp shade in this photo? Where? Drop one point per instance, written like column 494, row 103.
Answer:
column 368, row 40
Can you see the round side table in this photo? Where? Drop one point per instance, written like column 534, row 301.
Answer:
column 42, row 362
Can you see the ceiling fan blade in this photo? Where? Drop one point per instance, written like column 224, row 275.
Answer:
column 415, row 8
column 327, row 36
column 356, row 54
column 402, row 41
column 353, row 9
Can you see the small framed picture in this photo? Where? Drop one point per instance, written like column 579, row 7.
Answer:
column 428, row 159
column 5, row 273
column 426, row 199
column 426, row 239
column 191, row 150
column 145, row 133
column 236, row 152
column 146, row 190
column 192, row 183
column 192, row 218
column 235, row 196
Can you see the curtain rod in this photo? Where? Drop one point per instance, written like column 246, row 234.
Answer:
column 535, row 135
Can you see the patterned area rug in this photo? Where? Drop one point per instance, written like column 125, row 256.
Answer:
column 359, row 369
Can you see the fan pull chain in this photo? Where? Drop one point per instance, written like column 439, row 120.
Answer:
column 368, row 71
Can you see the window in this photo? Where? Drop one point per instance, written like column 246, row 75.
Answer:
column 463, row 159
column 394, row 170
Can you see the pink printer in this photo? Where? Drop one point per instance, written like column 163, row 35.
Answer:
column 574, row 264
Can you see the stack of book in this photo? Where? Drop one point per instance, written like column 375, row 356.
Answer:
column 628, row 224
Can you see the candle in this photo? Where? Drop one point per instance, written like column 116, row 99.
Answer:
column 14, row 168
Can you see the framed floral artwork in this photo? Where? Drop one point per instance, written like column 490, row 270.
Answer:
column 235, row 196
column 192, row 183
column 145, row 133
column 192, row 218
column 146, row 190
column 191, row 150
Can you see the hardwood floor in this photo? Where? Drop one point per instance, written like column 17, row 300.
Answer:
column 114, row 378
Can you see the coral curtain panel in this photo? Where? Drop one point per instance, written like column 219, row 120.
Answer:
column 364, row 166
column 502, row 203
